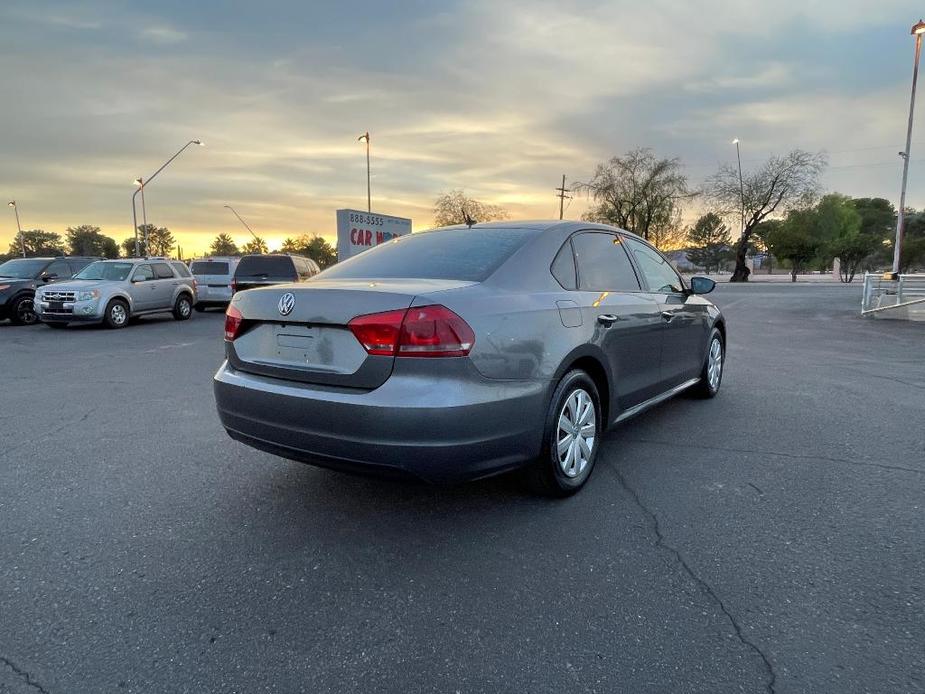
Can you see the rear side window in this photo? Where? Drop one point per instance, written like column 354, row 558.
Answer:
column 272, row 266
column 563, row 267
column 181, row 269
column 603, row 264
column 59, row 268
column 470, row 255
column 306, row 267
column 78, row 264
column 209, row 267
column 162, row 271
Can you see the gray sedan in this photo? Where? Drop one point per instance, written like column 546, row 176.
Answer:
column 463, row 352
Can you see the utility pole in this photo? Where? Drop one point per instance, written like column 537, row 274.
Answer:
column 562, row 197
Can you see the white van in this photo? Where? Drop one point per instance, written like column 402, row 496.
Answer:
column 213, row 280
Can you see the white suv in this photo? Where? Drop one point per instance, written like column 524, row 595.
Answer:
column 112, row 291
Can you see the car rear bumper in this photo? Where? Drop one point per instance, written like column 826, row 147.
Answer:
column 440, row 429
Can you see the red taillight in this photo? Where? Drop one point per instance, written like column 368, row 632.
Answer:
column 421, row 331
column 233, row 320
column 378, row 332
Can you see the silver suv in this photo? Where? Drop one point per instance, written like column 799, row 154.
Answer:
column 112, row 291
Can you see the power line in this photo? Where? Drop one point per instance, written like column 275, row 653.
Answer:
column 562, row 196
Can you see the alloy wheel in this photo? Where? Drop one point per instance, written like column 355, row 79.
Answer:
column 715, row 363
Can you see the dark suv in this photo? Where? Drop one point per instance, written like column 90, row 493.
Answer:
column 20, row 277
column 263, row 270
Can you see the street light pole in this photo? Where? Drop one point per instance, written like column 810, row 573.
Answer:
column 369, row 200
column 741, row 185
column 22, row 239
column 141, row 188
column 256, row 238
column 917, row 30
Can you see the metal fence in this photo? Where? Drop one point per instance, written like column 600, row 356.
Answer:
column 894, row 297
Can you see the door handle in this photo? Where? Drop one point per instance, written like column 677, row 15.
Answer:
column 667, row 316
column 607, row 319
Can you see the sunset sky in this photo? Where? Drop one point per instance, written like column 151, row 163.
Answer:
column 498, row 98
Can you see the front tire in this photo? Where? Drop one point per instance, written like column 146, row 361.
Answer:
column 183, row 308
column 574, row 426
column 22, row 311
column 117, row 314
column 711, row 375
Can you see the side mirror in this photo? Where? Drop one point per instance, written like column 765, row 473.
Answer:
column 702, row 285
column 49, row 278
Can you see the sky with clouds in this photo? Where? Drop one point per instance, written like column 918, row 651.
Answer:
column 495, row 97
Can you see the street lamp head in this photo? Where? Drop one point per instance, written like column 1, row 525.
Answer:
column 138, row 181
column 735, row 141
column 364, row 137
column 918, row 28
column 199, row 142
column 12, row 203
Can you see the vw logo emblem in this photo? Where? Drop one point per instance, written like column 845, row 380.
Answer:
column 286, row 304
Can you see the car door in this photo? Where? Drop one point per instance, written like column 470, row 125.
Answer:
column 165, row 285
column 687, row 322
column 142, row 287
column 627, row 323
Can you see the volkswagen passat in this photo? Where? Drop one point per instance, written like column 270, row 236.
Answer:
column 462, row 352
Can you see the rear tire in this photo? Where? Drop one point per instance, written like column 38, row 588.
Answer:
column 117, row 314
column 183, row 308
column 572, row 437
column 711, row 375
column 22, row 311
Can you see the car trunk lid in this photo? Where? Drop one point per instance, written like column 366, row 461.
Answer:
column 312, row 343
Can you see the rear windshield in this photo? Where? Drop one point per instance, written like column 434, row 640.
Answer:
column 265, row 266
column 209, row 267
column 469, row 255
column 105, row 271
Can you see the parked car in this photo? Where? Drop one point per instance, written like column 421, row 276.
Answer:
column 20, row 277
column 214, row 276
column 113, row 291
column 266, row 270
column 462, row 352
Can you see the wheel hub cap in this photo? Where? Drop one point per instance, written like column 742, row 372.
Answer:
column 715, row 364
column 576, row 432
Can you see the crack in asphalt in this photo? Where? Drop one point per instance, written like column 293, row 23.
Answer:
column 706, row 587
column 61, row 427
column 791, row 456
column 23, row 675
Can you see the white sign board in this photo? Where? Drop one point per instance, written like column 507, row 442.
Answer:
column 357, row 231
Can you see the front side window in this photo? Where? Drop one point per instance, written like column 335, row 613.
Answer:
column 602, row 263
column 656, row 269
column 162, row 271
column 59, row 268
column 143, row 272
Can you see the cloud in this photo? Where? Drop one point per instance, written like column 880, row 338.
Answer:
column 163, row 34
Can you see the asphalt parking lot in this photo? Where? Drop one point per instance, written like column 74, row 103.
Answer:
column 772, row 539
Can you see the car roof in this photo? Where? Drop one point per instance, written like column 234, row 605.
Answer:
column 542, row 225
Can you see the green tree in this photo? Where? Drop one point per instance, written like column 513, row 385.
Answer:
column 790, row 182
column 87, row 239
column 37, row 243
column 453, row 207
column 160, row 240
column 223, row 244
column 312, row 246
column 255, row 246
column 796, row 240
column 841, row 225
column 912, row 255
column 640, row 193
column 128, row 247
column 710, row 242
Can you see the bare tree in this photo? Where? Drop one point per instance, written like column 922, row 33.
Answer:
column 779, row 185
column 640, row 193
column 453, row 208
